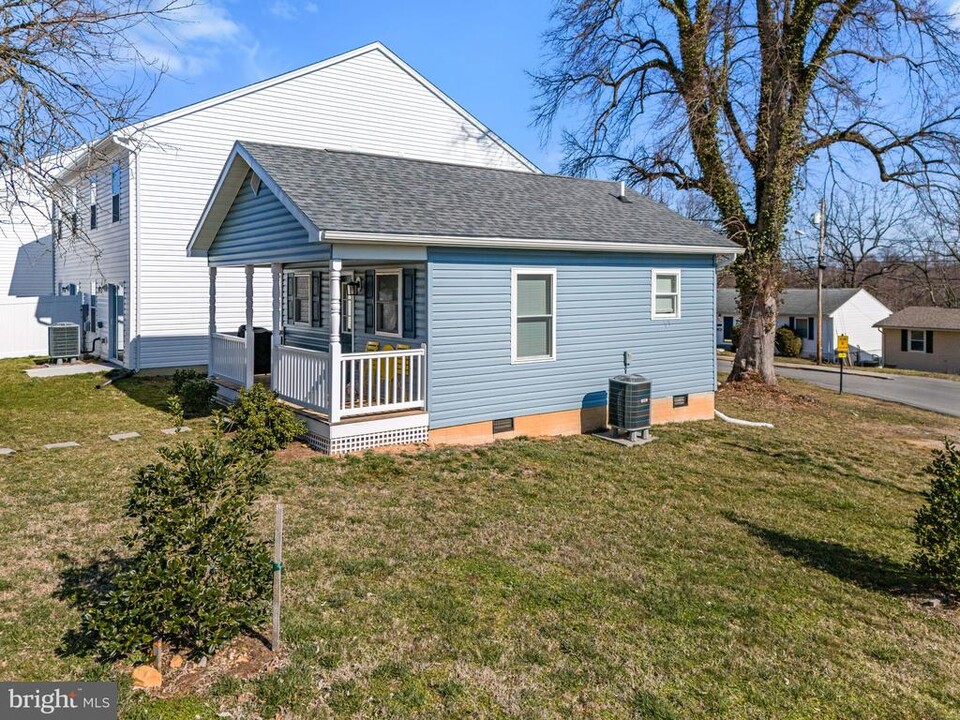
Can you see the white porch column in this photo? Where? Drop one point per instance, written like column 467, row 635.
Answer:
column 336, row 266
column 248, row 335
column 277, row 270
column 213, row 319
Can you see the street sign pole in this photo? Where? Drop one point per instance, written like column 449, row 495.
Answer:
column 843, row 347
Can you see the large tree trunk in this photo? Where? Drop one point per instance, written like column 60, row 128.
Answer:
column 758, row 316
column 759, row 278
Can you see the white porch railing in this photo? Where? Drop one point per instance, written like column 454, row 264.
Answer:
column 229, row 357
column 302, row 377
column 377, row 382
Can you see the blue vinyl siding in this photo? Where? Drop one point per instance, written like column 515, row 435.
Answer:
column 603, row 308
column 258, row 229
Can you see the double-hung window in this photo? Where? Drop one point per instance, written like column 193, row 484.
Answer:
column 666, row 294
column 93, row 203
column 534, row 296
column 918, row 341
column 387, row 298
column 115, row 191
column 298, row 299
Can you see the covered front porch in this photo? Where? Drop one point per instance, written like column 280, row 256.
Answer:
column 346, row 350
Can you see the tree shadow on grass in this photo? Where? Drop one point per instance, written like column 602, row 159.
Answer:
column 151, row 392
column 83, row 586
column 864, row 569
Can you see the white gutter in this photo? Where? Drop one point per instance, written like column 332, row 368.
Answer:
column 523, row 243
column 133, row 210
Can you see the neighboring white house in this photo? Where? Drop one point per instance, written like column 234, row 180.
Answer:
column 121, row 247
column 27, row 305
column 846, row 311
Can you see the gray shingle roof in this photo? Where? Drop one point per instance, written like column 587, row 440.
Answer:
column 358, row 192
column 924, row 318
column 793, row 301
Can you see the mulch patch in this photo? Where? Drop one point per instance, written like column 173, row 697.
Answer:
column 248, row 656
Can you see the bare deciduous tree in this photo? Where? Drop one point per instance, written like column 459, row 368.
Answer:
column 734, row 98
column 70, row 71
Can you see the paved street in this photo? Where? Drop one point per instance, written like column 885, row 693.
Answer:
column 942, row 396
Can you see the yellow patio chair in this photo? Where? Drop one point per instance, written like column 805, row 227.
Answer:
column 406, row 361
column 372, row 346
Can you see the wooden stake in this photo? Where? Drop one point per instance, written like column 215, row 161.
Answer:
column 277, row 571
column 158, row 653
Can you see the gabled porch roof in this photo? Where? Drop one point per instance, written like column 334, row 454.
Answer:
column 356, row 197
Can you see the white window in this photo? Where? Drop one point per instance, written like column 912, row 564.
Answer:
column 298, row 298
column 533, row 326
column 387, row 298
column 666, row 294
column 918, row 341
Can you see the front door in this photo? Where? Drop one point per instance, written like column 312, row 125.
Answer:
column 727, row 328
column 116, row 321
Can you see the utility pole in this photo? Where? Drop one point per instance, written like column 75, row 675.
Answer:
column 821, row 219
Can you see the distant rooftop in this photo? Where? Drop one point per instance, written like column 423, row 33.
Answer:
column 793, row 301
column 924, row 318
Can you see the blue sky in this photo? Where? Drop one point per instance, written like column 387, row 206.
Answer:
column 477, row 53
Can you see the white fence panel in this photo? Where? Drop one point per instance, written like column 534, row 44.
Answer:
column 302, row 377
column 229, row 357
column 378, row 382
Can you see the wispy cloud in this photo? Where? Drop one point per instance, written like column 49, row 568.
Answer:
column 290, row 10
column 200, row 38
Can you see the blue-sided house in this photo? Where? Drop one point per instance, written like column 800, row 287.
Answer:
column 417, row 301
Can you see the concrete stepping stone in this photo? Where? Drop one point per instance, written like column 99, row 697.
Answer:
column 124, row 436
column 7, row 451
column 174, row 431
column 60, row 445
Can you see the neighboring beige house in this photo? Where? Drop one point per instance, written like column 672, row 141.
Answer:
column 922, row 338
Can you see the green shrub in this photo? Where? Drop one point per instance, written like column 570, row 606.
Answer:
column 262, row 423
column 787, row 342
column 937, row 523
column 194, row 392
column 195, row 577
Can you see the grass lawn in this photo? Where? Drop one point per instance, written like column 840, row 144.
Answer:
column 720, row 571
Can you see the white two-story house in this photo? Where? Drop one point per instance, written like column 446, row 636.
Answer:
column 138, row 195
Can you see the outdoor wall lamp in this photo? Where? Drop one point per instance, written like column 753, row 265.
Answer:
column 355, row 287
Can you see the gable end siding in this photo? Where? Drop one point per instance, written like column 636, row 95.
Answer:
column 603, row 308
column 258, row 229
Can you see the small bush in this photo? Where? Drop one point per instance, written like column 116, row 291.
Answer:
column 194, row 392
column 262, row 423
column 735, row 338
column 937, row 523
column 196, row 578
column 787, row 342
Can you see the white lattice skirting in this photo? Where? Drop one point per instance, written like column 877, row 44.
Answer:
column 366, row 441
column 367, row 434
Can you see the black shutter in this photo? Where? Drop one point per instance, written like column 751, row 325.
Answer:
column 811, row 329
column 291, row 294
column 409, row 302
column 929, row 341
column 792, row 323
column 904, row 340
column 316, row 293
column 369, row 301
